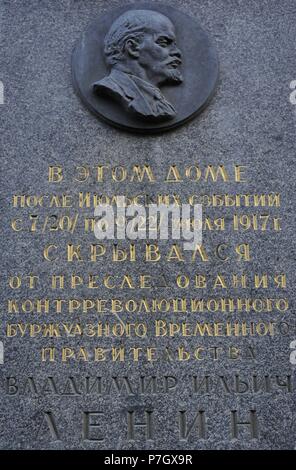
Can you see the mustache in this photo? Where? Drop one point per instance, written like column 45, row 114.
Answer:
column 175, row 62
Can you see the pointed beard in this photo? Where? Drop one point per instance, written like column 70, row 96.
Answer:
column 174, row 76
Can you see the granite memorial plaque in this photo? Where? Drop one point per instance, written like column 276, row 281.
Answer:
column 148, row 228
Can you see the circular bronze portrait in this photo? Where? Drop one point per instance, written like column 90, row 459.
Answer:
column 145, row 68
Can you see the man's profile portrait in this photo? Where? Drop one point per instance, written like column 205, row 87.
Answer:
column 140, row 50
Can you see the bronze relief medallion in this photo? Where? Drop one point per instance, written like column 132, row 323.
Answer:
column 146, row 68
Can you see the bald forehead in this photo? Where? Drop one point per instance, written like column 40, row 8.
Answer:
column 161, row 24
column 155, row 19
column 136, row 22
column 141, row 19
column 158, row 25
